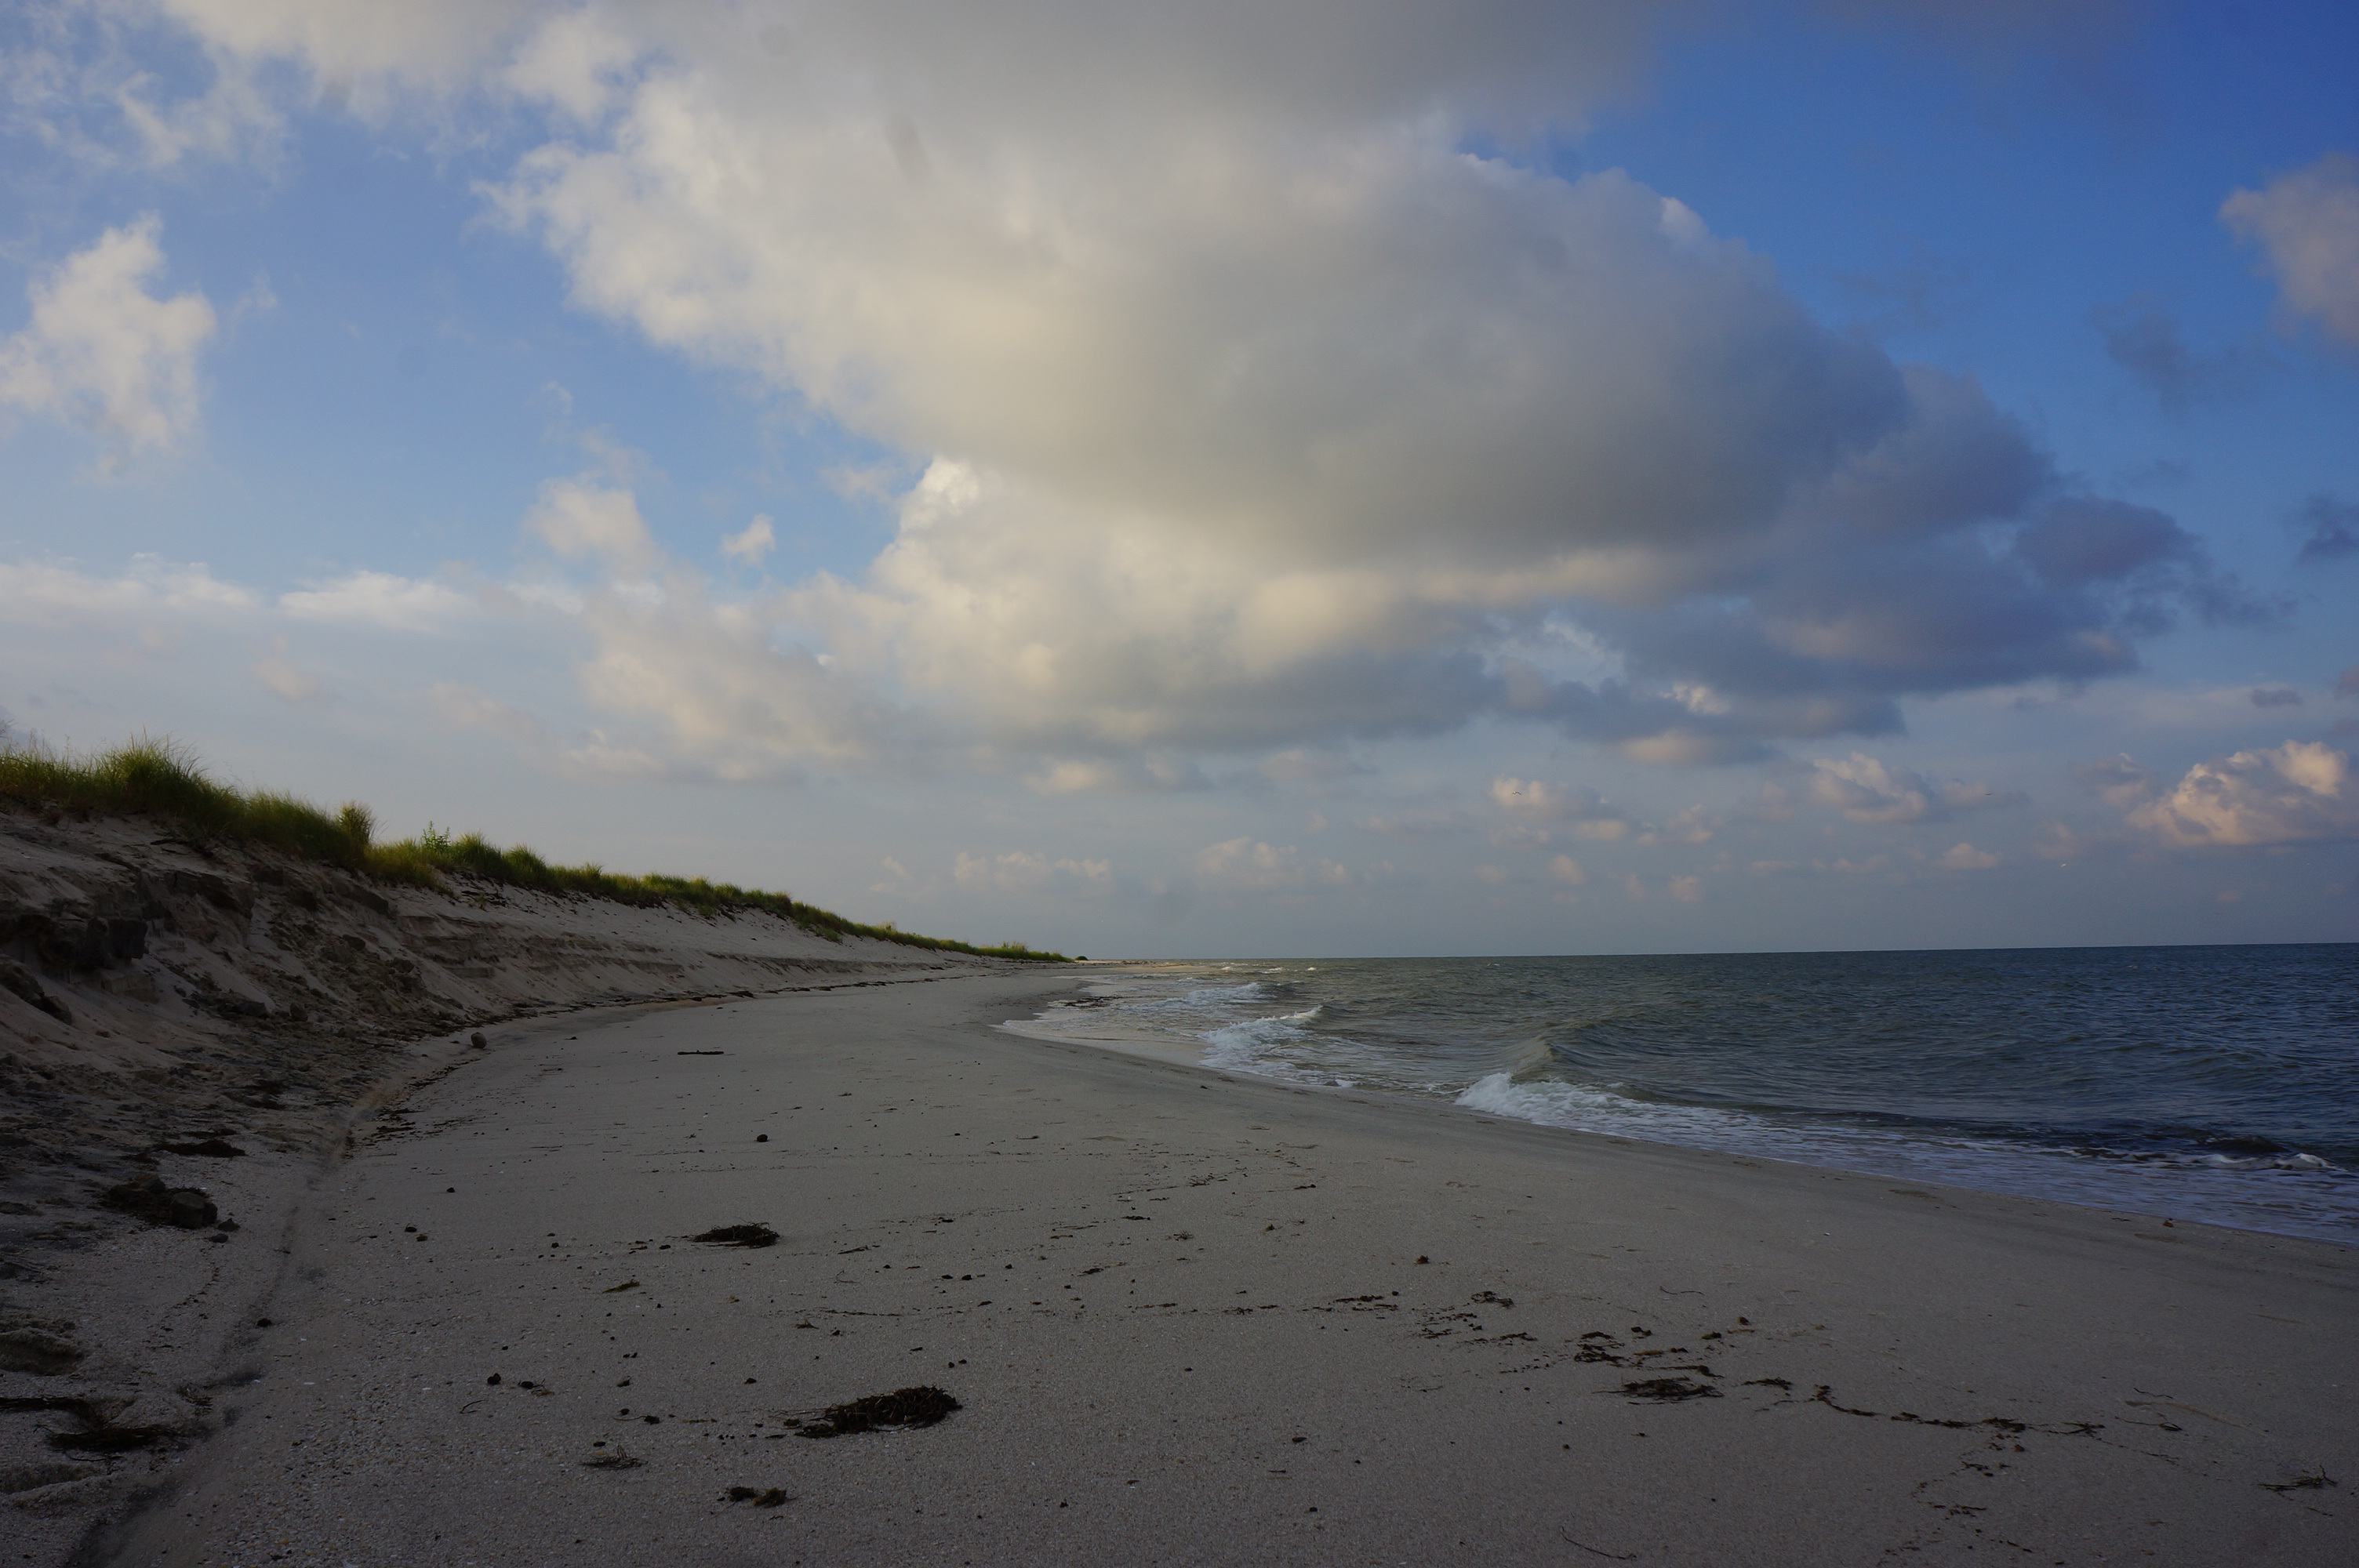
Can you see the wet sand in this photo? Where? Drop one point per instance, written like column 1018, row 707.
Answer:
column 1192, row 1318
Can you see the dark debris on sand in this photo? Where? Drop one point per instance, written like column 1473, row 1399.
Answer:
column 209, row 1148
column 739, row 1236
column 760, row 1496
column 1665, row 1390
column 98, row 1434
column 921, row 1406
column 150, row 1199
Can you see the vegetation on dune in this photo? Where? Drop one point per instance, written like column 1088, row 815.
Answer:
column 161, row 779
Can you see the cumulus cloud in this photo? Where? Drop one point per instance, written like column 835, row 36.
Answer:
column 584, row 519
column 750, row 543
column 1589, row 813
column 2121, row 781
column 1151, row 775
column 1258, row 402
column 150, row 588
column 1025, row 871
column 1247, row 865
column 357, row 45
column 1964, row 857
column 1866, row 789
column 1568, row 870
column 380, row 599
column 103, row 353
column 2300, row 792
column 2307, row 224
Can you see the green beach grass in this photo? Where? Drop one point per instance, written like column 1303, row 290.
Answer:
column 162, row 780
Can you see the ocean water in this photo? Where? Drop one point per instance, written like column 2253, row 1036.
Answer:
column 2218, row 1083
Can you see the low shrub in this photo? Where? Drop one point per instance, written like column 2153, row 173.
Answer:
column 161, row 779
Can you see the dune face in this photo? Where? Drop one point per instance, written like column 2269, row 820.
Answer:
column 188, row 1031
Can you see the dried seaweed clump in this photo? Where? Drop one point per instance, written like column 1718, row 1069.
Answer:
column 902, row 1408
column 1666, row 1389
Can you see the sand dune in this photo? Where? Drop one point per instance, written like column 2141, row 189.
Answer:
column 157, row 995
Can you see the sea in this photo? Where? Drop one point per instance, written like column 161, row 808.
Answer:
column 2216, row 1084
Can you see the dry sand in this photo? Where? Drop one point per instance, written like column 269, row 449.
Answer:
column 155, row 994
column 1197, row 1319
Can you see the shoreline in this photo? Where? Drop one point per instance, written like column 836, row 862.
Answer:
column 1958, row 1369
column 1275, row 1021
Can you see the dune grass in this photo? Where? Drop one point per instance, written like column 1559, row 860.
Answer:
column 163, row 780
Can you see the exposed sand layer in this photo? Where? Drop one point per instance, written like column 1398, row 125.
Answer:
column 1191, row 1319
column 154, row 993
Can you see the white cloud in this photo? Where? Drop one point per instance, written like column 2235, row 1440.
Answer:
column 750, row 543
column 1254, row 410
column 1130, row 775
column 1689, row 825
column 103, row 353
column 1247, row 865
column 1687, row 890
column 1867, row 790
column 1264, row 415
column 1591, row 815
column 585, row 519
column 2307, row 224
column 1966, row 858
column 150, row 587
column 576, row 60
column 2300, row 792
column 381, row 600
column 1567, row 869
column 359, row 44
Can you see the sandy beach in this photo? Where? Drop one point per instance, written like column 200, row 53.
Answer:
column 1195, row 1318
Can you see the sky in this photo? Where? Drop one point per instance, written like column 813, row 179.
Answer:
column 1229, row 479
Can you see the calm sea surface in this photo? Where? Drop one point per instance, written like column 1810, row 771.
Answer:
column 2206, row 1083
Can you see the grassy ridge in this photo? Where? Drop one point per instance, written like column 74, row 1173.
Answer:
column 160, row 779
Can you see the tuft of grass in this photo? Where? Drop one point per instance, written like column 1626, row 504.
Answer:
column 161, row 779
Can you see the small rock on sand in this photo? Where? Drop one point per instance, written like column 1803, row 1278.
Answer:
column 149, row 1198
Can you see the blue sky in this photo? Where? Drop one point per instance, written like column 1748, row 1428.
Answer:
column 1328, row 479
